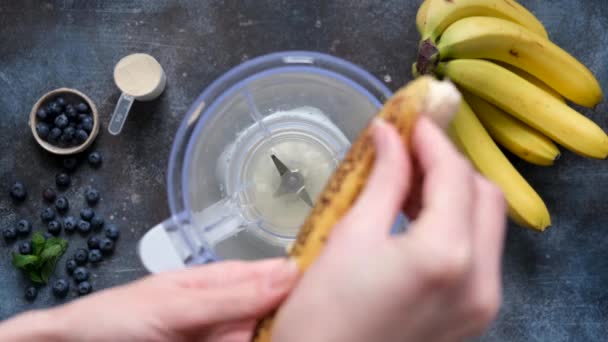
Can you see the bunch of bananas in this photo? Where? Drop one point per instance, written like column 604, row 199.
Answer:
column 515, row 83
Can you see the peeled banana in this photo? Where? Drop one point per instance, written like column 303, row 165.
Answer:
column 529, row 104
column 503, row 40
column 517, row 137
column 526, row 207
column 434, row 16
column 423, row 96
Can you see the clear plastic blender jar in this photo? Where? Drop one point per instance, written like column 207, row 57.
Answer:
column 253, row 153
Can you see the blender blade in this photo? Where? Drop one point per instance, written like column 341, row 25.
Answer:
column 292, row 181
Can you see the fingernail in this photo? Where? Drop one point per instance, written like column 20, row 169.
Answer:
column 285, row 275
column 378, row 135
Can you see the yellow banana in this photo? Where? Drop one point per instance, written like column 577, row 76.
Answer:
column 526, row 76
column 502, row 40
column 529, row 104
column 421, row 96
column 526, row 207
column 517, row 137
column 434, row 16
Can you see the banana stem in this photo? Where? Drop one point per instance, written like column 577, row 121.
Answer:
column 428, row 57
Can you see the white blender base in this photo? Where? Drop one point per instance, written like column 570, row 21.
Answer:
column 157, row 253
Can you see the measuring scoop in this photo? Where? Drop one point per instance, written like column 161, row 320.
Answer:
column 140, row 77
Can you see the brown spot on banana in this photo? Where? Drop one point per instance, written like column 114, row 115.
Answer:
column 514, row 53
column 424, row 96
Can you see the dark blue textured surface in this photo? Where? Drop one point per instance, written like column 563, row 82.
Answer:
column 554, row 283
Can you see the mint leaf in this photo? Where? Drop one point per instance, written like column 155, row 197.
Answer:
column 55, row 242
column 48, row 268
column 36, row 278
column 38, row 242
column 23, row 261
column 50, row 252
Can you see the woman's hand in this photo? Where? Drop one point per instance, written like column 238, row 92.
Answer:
column 440, row 281
column 218, row 302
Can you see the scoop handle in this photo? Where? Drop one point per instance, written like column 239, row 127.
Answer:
column 120, row 113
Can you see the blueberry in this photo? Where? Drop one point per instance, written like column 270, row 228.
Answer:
column 70, row 163
column 87, row 214
column 70, row 224
column 62, row 180
column 93, row 242
column 87, row 124
column 82, row 107
column 62, row 205
column 84, row 288
column 70, row 266
column 106, row 245
column 54, row 227
column 54, row 108
column 54, row 134
column 112, row 232
column 24, row 227
column 81, row 256
column 84, row 227
column 68, row 134
column 81, row 117
column 81, row 136
column 61, row 121
column 61, row 287
column 81, row 274
column 42, row 130
column 71, row 113
column 60, row 101
column 18, row 191
column 92, row 196
column 47, row 235
column 31, row 292
column 78, row 127
column 41, row 114
column 95, row 159
column 49, row 195
column 9, row 233
column 95, row 256
column 47, row 214
column 97, row 222
column 25, row 248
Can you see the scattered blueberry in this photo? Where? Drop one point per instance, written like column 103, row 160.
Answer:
column 62, row 205
column 70, row 163
column 106, row 245
column 81, row 274
column 62, row 180
column 70, row 224
column 82, row 107
column 47, row 214
column 41, row 114
column 84, row 227
column 61, row 121
column 60, row 101
column 81, row 136
column 61, row 287
column 81, row 256
column 95, row 256
column 47, row 235
column 49, row 195
column 87, row 214
column 31, row 292
column 9, row 233
column 70, row 266
column 54, row 134
column 42, row 130
column 93, row 242
column 87, row 124
column 95, row 159
column 18, row 191
column 112, row 232
column 24, row 227
column 84, row 288
column 97, row 222
column 92, row 196
column 54, row 227
column 25, row 248
column 54, row 108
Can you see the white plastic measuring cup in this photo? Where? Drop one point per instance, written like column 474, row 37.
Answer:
column 140, row 77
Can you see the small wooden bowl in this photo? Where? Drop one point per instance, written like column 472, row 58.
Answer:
column 71, row 95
